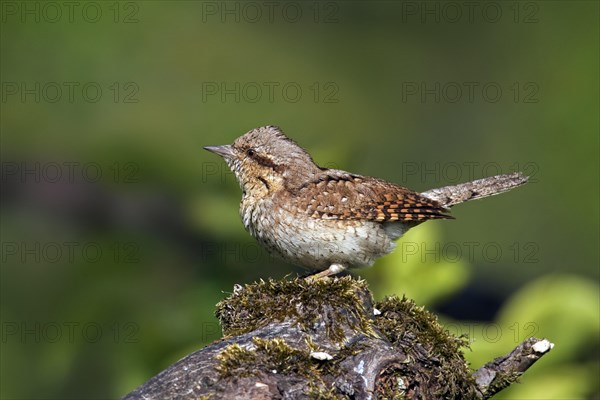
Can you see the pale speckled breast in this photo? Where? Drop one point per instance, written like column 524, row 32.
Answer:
column 317, row 243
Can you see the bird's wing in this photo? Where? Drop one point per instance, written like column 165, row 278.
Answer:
column 340, row 195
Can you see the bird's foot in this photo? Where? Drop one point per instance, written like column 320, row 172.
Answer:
column 332, row 270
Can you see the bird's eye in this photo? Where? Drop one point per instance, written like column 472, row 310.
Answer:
column 250, row 152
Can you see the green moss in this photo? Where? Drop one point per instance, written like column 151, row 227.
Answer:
column 304, row 302
column 269, row 355
column 501, row 381
column 419, row 335
column 389, row 385
column 339, row 304
column 399, row 316
column 319, row 392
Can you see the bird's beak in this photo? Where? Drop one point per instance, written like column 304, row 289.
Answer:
column 225, row 151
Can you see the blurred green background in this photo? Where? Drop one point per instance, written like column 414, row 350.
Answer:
column 119, row 233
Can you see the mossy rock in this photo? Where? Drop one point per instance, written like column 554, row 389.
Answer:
column 428, row 355
column 326, row 339
column 329, row 304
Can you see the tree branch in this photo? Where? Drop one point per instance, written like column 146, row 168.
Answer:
column 327, row 340
column 501, row 372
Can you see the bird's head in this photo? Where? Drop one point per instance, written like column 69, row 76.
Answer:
column 265, row 160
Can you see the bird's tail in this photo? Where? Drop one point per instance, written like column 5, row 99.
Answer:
column 449, row 196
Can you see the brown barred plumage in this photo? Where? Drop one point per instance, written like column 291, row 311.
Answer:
column 328, row 219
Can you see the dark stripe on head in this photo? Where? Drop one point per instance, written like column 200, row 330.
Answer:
column 264, row 161
column 264, row 181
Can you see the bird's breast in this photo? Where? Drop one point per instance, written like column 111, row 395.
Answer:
column 313, row 242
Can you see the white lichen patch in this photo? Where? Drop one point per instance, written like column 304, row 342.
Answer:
column 321, row 355
column 360, row 368
column 542, row 346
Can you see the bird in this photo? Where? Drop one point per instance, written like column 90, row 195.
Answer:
column 328, row 220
